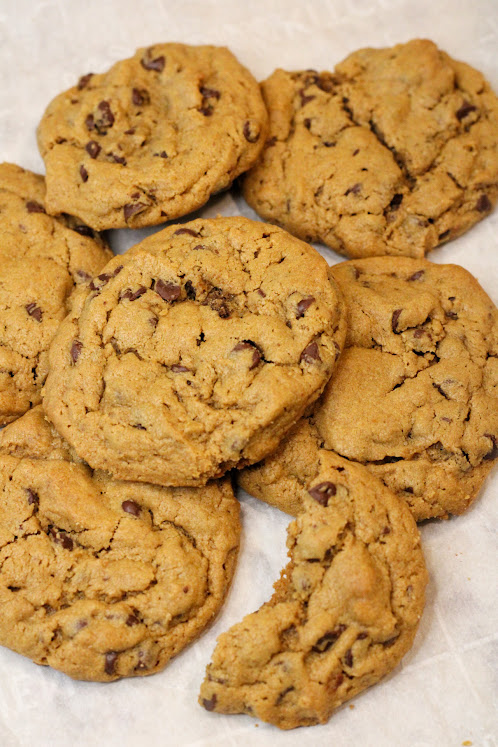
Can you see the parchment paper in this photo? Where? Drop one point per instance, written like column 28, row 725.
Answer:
column 445, row 691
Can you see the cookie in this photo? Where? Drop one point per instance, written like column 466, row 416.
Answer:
column 195, row 352
column 153, row 138
column 414, row 394
column 103, row 579
column 42, row 260
column 393, row 153
column 344, row 612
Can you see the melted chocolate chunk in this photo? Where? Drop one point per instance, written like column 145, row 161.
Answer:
column 303, row 306
column 465, row 109
column 34, row 311
column 483, row 204
column 84, row 81
column 493, row 454
column 61, row 538
column 310, row 353
column 132, row 620
column 140, row 97
column 416, row 275
column 249, row 345
column 396, row 201
column 176, row 368
column 83, row 174
column 209, row 704
column 34, row 207
column 348, row 658
column 150, row 63
column 207, row 110
column 217, row 301
column 117, row 159
column 76, row 349
column 190, row 290
column 131, row 508
column 110, row 662
column 84, row 231
column 168, row 291
column 133, row 295
column 93, row 148
column 33, row 497
column 132, row 208
column 355, row 189
column 188, row 231
column 322, row 492
column 209, row 93
column 328, row 640
column 394, row 320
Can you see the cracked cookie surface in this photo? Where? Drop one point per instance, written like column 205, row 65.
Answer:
column 195, row 351
column 153, row 138
column 414, row 393
column 344, row 612
column 103, row 579
column 393, row 153
column 42, row 260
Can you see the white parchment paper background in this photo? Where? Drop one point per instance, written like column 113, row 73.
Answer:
column 445, row 691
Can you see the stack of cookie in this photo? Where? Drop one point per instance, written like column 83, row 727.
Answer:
column 359, row 398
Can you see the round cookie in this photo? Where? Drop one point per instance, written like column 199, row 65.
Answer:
column 42, row 260
column 153, row 138
column 103, row 579
column 195, row 352
column 344, row 612
column 414, row 393
column 393, row 153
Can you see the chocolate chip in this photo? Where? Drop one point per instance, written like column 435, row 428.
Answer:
column 396, row 201
column 132, row 620
column 355, row 189
column 409, row 489
column 394, row 320
column 416, row 275
column 307, row 123
column 444, row 235
column 209, row 93
column 483, row 204
column 210, row 704
column 99, row 282
column 84, row 231
column 132, row 296
column 322, row 492
column 261, row 293
column 84, row 81
column 156, row 63
column 386, row 530
column 33, row 497
column 451, row 314
column 90, row 122
column 465, row 109
column 118, row 159
column 131, row 508
column 138, row 426
column 34, row 207
column 418, row 333
column 325, row 84
column 62, row 539
column 162, row 154
column 34, row 311
column 493, row 454
column 207, row 110
column 304, row 98
column 176, row 368
column 132, row 208
column 251, row 131
column 249, row 345
column 328, row 640
column 390, row 642
column 140, row 97
column 270, row 142
column 362, row 636
column 310, row 353
column 106, row 118
column 217, row 301
column 348, row 658
column 303, row 306
column 83, row 173
column 110, row 662
column 93, row 148
column 190, row 290
column 76, row 349
column 168, row 291
column 188, row 231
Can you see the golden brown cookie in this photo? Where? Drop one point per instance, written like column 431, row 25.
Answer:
column 344, row 612
column 414, row 393
column 195, row 352
column 42, row 260
column 153, row 138
column 393, row 153
column 103, row 579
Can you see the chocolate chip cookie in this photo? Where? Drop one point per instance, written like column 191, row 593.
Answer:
column 103, row 579
column 344, row 612
column 413, row 396
column 153, row 138
column 195, row 352
column 42, row 260
column 394, row 152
